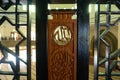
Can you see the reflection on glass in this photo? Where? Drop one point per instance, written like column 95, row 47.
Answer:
column 62, row 35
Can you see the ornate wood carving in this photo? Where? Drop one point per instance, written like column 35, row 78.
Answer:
column 61, row 65
column 62, row 57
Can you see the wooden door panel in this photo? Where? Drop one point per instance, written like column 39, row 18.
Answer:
column 62, row 50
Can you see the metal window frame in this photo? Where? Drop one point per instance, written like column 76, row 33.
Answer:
column 16, row 68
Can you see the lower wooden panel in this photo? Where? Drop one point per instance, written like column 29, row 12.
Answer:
column 61, row 65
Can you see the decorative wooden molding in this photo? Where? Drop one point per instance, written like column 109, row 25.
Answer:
column 59, row 15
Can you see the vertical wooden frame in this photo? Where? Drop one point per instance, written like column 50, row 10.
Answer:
column 41, row 40
column 83, row 39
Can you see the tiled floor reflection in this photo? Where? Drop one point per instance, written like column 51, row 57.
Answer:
column 8, row 77
column 91, row 73
column 7, row 67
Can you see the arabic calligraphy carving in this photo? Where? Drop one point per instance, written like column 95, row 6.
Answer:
column 62, row 35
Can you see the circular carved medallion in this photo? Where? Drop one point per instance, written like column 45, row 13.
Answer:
column 62, row 35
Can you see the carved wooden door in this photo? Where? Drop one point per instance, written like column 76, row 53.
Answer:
column 62, row 46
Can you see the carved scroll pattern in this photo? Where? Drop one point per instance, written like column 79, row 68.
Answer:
column 61, row 65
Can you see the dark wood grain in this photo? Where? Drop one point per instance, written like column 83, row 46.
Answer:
column 62, row 58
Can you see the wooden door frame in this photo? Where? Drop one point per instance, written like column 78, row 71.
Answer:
column 82, row 38
column 41, row 40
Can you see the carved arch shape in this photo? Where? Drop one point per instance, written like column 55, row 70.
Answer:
column 110, row 38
